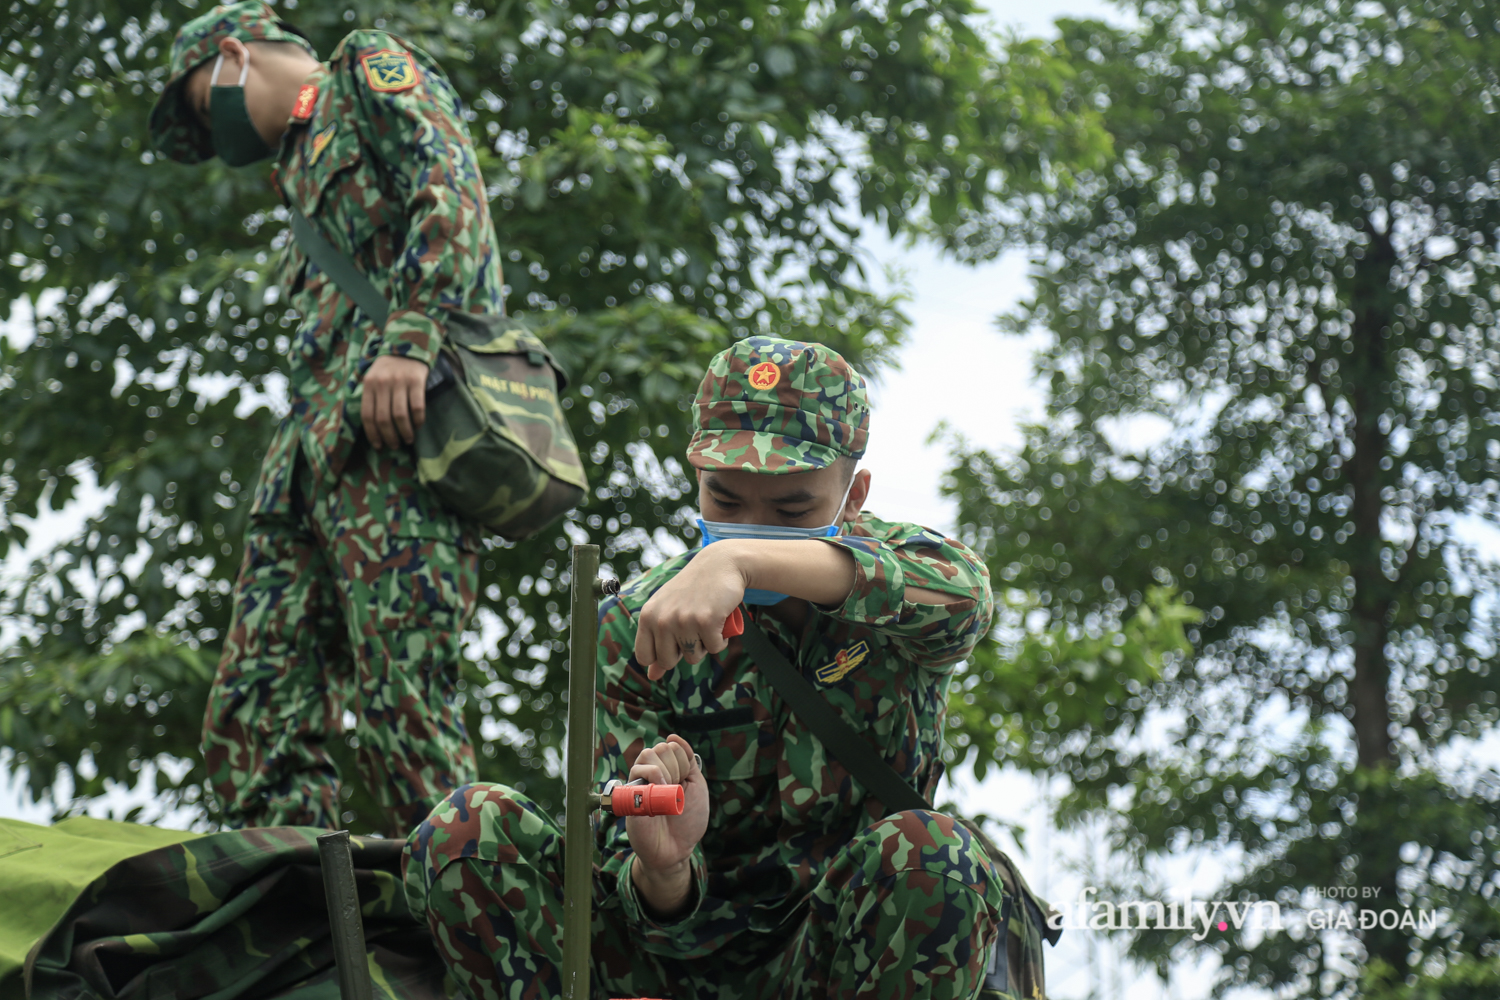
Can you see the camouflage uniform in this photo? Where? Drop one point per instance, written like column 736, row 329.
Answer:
column 802, row 886
column 356, row 581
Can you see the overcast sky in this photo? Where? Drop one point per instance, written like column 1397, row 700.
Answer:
column 956, row 369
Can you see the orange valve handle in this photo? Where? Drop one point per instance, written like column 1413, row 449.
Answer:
column 734, row 625
column 646, row 800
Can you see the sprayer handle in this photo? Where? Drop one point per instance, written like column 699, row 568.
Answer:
column 734, row 625
column 644, row 800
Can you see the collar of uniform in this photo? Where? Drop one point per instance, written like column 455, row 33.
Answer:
column 310, row 97
column 296, row 125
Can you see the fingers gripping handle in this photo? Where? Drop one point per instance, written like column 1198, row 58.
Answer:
column 733, row 625
column 646, row 800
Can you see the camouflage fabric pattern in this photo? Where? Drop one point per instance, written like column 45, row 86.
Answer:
column 778, row 406
column 781, row 805
column 497, row 447
column 801, row 887
column 1017, row 967
column 390, row 178
column 386, row 172
column 355, row 600
column 232, row 915
column 175, row 130
column 906, row 907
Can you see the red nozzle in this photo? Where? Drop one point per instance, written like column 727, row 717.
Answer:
column 646, row 800
column 734, row 625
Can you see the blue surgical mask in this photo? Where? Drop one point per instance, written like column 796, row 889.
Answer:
column 714, row 531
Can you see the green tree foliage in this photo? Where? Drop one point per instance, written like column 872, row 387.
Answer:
column 1289, row 272
column 667, row 176
column 1467, row 980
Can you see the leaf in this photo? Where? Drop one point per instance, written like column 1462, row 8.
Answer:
column 780, row 61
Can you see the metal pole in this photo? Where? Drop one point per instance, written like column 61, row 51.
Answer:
column 343, row 916
column 578, row 871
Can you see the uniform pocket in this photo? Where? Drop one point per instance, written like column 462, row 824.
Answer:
column 423, row 583
column 337, row 190
column 731, row 752
column 398, row 550
column 345, row 205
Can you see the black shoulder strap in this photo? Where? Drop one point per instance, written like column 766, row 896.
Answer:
column 836, row 735
column 341, row 269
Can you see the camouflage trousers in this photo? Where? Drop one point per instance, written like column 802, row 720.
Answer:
column 889, row 918
column 351, row 601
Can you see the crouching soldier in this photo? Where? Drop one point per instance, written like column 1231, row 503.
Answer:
column 785, row 876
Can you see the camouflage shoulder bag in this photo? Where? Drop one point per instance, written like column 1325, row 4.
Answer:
column 495, row 446
column 1016, row 970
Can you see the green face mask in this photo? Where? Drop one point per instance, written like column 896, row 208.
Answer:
column 234, row 135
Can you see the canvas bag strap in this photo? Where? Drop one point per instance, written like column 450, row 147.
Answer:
column 340, row 268
column 836, row 735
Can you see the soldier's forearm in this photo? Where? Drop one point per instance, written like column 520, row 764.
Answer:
column 664, row 893
column 812, row 570
column 823, row 574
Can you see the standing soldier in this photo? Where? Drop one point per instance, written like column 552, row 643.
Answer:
column 356, row 582
column 783, row 877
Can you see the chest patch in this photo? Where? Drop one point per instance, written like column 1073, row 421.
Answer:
column 843, row 662
column 320, row 142
column 389, row 72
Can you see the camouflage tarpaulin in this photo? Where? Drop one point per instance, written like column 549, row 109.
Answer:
column 233, row 916
column 44, row 868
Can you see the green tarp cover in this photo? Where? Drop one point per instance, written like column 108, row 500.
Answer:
column 44, row 868
column 223, row 916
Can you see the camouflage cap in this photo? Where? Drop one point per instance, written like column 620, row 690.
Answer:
column 175, row 130
column 778, row 406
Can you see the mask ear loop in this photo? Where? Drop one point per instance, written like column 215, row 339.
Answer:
column 213, row 80
column 838, row 514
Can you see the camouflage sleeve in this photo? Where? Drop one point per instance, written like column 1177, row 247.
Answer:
column 629, row 718
column 420, row 137
column 936, row 636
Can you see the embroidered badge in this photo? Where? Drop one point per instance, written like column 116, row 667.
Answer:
column 765, row 375
column 843, row 662
column 320, row 142
column 389, row 72
column 307, row 101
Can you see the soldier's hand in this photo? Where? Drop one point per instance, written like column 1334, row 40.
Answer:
column 663, row 844
column 395, row 400
column 684, row 620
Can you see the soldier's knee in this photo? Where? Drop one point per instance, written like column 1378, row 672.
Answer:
column 920, row 840
column 486, row 821
column 918, row 889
